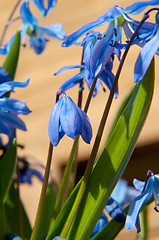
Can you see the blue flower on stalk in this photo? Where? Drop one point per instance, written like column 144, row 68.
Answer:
column 36, row 33
column 67, row 118
column 10, row 109
column 148, row 189
column 40, row 5
column 92, row 67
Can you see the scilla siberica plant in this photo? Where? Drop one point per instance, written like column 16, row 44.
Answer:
column 81, row 211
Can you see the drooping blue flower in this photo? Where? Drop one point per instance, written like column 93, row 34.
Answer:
column 11, row 108
column 94, row 64
column 37, row 34
column 67, row 118
column 149, row 189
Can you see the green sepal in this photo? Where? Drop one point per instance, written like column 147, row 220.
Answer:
column 114, row 158
column 7, row 169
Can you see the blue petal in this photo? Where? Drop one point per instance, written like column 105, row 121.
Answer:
column 38, row 43
column 111, row 14
column 5, row 50
column 86, row 128
column 138, row 7
column 40, row 5
column 54, row 123
column 12, row 121
column 68, row 67
column 114, row 209
column 26, row 15
column 70, row 118
column 4, row 128
column 54, row 30
column 4, row 75
column 51, row 5
column 100, row 224
column 19, row 84
column 13, row 105
column 72, row 81
column 73, row 37
column 120, row 191
column 5, row 87
column 145, row 57
column 139, row 185
column 108, row 78
column 134, row 210
column 101, row 52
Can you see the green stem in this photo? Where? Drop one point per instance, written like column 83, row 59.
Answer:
column 144, row 225
column 43, row 194
column 9, row 21
column 61, row 191
column 90, row 164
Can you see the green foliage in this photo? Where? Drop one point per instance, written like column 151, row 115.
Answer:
column 11, row 61
column 7, row 169
column 114, row 158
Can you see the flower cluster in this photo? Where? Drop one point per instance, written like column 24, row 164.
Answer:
column 99, row 48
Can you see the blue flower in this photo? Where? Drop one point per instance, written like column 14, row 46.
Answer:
column 40, row 5
column 98, row 61
column 28, row 170
column 12, row 236
column 149, row 189
column 67, row 118
column 37, row 34
column 10, row 109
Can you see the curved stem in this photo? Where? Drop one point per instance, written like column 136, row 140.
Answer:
column 89, row 167
column 9, row 21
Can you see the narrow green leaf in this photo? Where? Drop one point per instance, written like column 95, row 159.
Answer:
column 114, row 158
column 13, row 219
column 11, row 61
column 47, row 211
column 3, row 229
column 7, row 169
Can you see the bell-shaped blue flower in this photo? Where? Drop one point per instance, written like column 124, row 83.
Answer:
column 149, row 189
column 67, row 118
column 59, row 238
column 100, row 224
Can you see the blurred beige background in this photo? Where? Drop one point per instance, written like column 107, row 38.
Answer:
column 40, row 94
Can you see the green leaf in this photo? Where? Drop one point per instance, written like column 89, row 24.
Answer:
column 11, row 61
column 114, row 158
column 16, row 217
column 57, row 225
column 7, row 169
column 47, row 211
